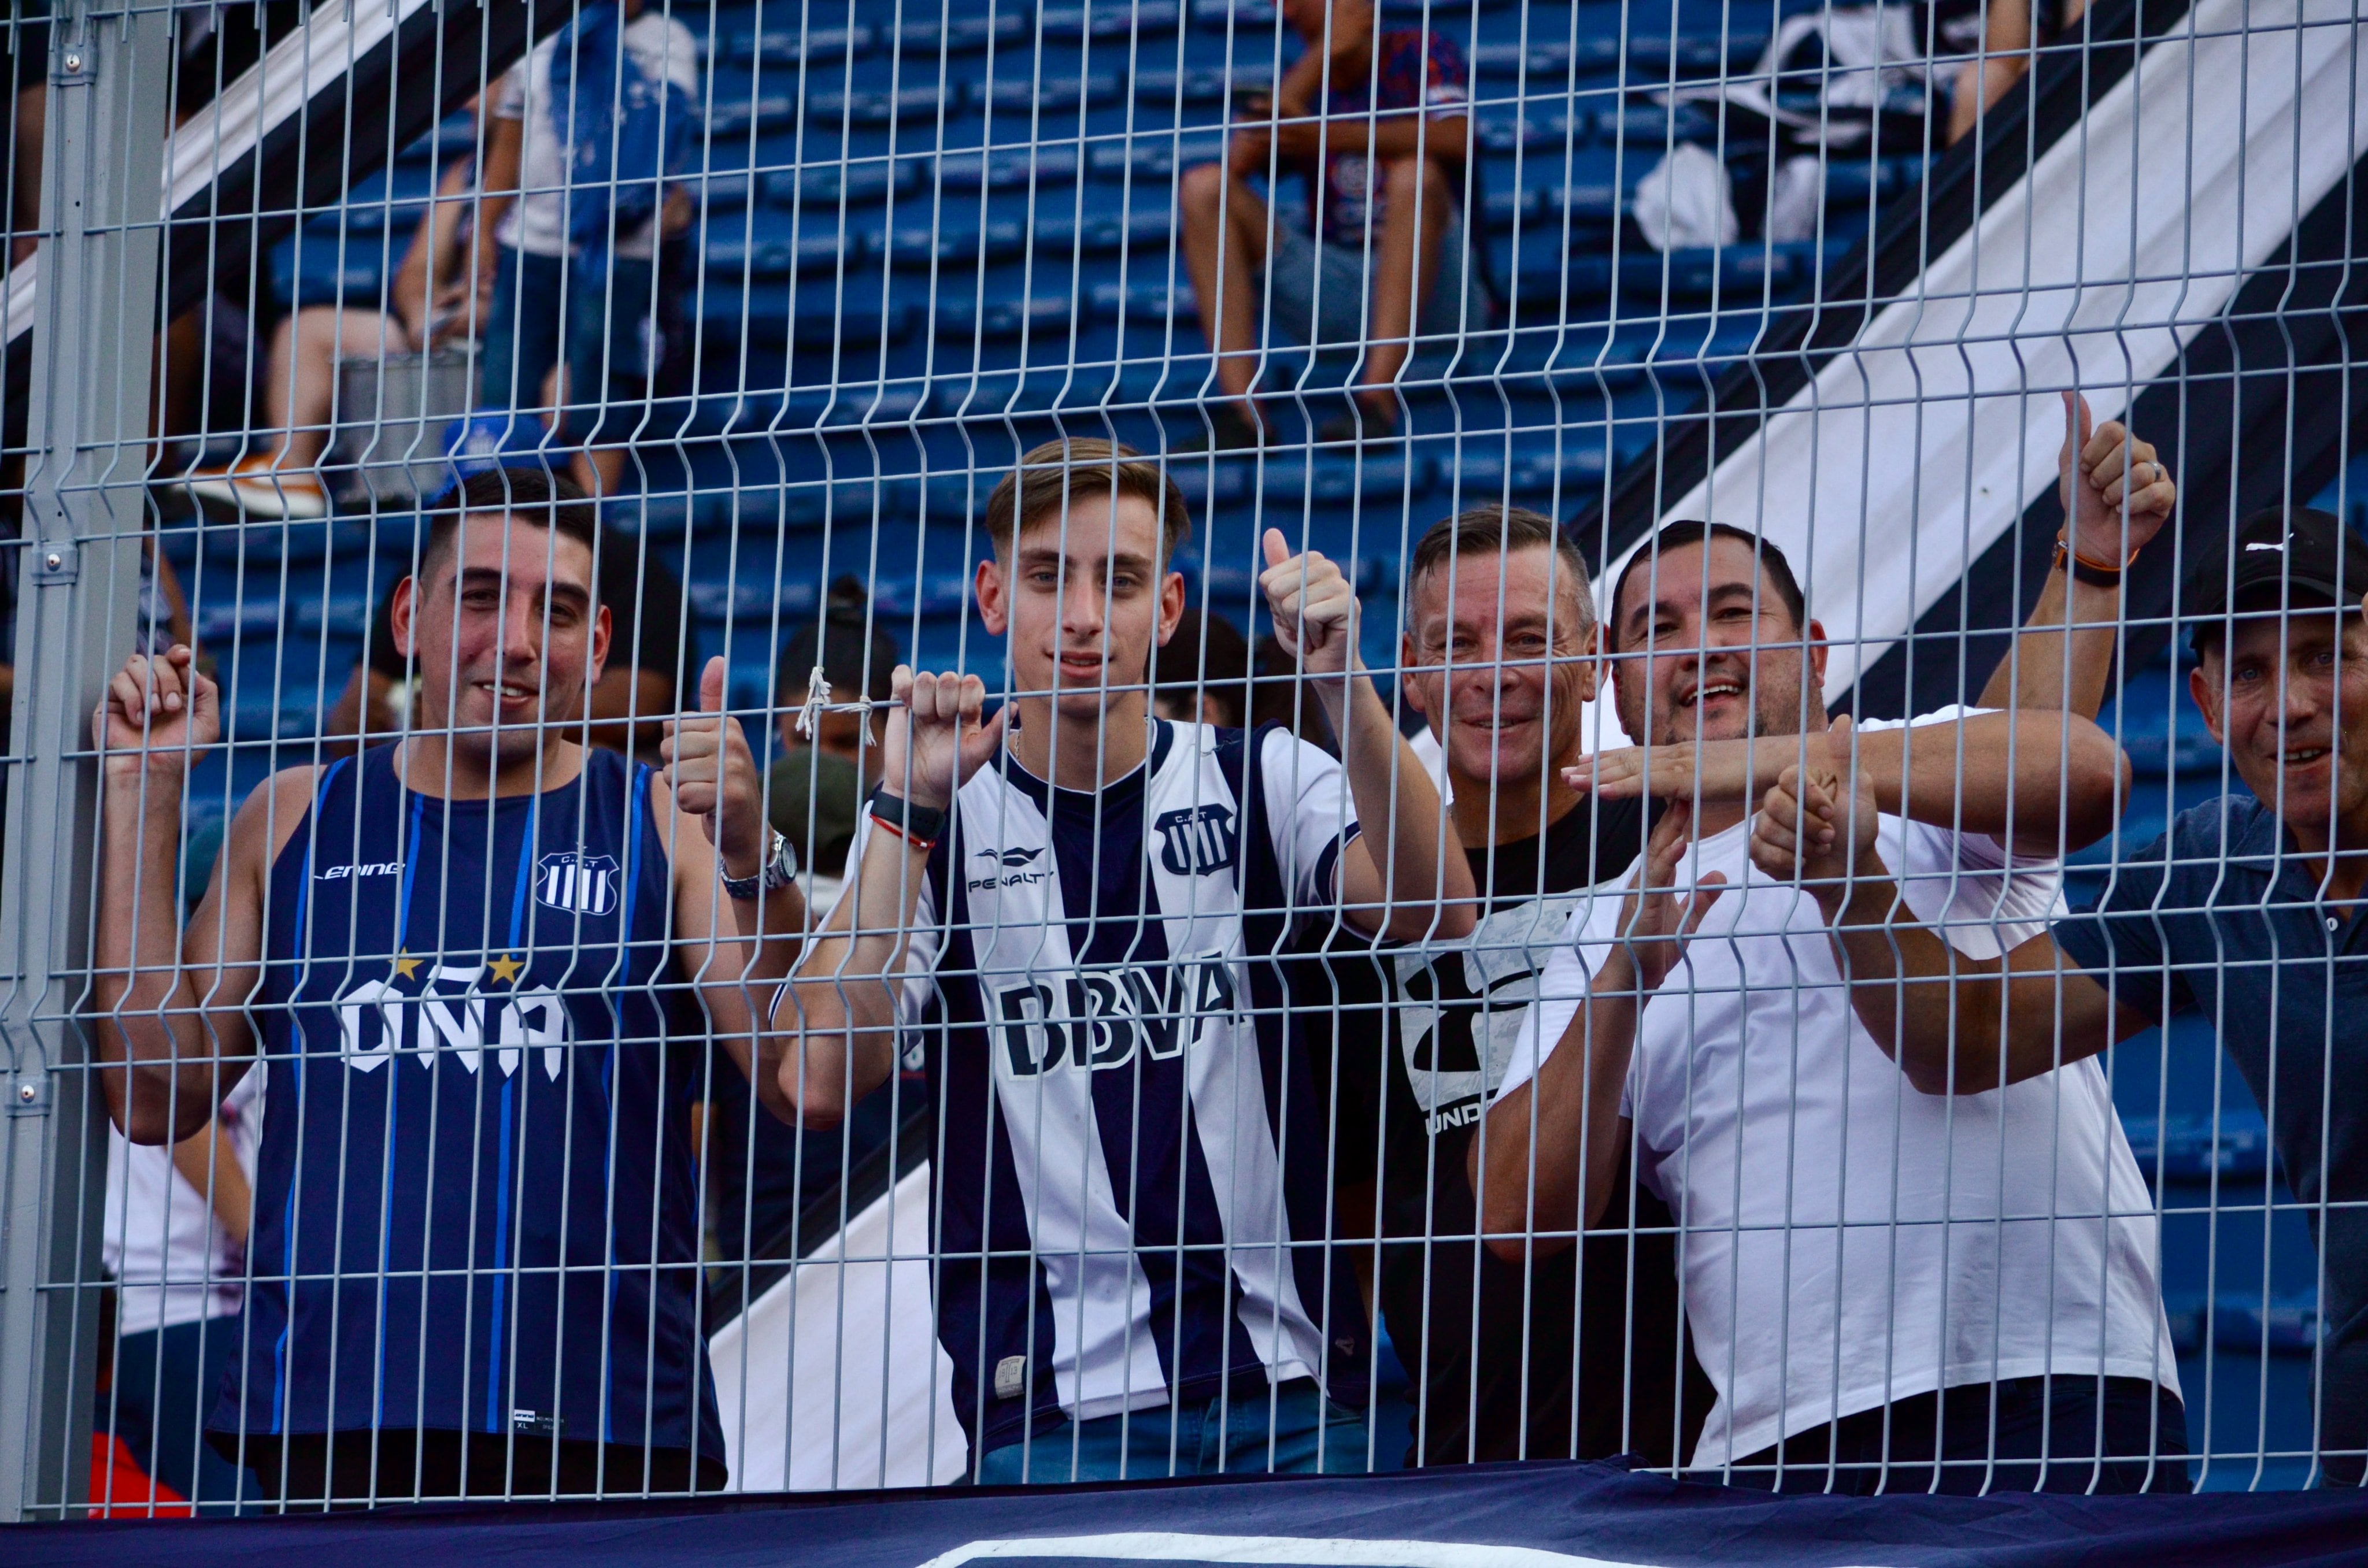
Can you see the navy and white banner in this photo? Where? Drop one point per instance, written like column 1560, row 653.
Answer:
column 1532, row 1515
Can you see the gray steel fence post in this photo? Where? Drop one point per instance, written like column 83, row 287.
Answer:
column 85, row 512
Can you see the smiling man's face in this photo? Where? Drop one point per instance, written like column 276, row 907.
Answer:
column 1498, row 661
column 1084, row 597
column 506, row 631
column 1708, row 651
column 2288, row 697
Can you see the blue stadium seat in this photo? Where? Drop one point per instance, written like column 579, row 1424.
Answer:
column 792, row 46
column 1007, row 169
column 856, row 181
column 1103, row 21
column 1003, row 28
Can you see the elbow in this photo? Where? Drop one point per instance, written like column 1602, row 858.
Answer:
column 2098, row 782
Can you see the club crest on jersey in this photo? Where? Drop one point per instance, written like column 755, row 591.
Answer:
column 1196, row 841
column 577, row 882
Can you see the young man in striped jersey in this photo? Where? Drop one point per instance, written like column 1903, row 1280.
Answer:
column 1065, row 909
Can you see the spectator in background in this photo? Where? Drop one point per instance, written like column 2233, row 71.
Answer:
column 2247, row 912
column 641, row 686
column 175, row 1241
column 814, row 790
column 1379, row 122
column 1203, row 674
column 586, row 130
column 2012, row 33
column 426, row 301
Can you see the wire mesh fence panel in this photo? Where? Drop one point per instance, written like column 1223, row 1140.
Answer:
column 788, row 746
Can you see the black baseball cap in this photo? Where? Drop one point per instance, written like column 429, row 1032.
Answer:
column 2307, row 554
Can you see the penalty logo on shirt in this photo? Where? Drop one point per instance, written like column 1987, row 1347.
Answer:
column 577, row 882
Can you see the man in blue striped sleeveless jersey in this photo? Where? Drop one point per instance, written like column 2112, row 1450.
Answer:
column 481, row 967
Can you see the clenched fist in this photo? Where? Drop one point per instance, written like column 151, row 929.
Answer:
column 158, row 714
column 2100, row 465
column 937, row 739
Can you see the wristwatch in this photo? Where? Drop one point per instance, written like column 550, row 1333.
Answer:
column 780, row 871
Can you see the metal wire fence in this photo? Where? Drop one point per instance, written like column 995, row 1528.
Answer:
column 1365, row 943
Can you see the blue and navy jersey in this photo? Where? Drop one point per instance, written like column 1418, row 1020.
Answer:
column 475, row 1207
column 1131, row 1190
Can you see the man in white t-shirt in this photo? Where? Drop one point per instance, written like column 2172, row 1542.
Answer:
column 1890, row 1290
column 567, row 269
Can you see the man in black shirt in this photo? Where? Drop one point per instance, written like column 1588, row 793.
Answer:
column 1498, row 643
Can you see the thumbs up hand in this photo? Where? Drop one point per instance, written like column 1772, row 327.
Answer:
column 1315, row 608
column 713, row 776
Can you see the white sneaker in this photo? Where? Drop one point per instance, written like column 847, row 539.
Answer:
column 256, row 489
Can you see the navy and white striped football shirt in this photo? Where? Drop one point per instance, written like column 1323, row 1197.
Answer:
column 1132, row 1193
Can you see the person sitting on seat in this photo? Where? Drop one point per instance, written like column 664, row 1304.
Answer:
column 425, row 303
column 1380, row 123
column 586, row 130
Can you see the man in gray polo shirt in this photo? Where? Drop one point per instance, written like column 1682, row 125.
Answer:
column 2247, row 910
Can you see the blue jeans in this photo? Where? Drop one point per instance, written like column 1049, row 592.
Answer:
column 1217, row 1437
column 610, row 330
column 2021, row 1435
column 1322, row 298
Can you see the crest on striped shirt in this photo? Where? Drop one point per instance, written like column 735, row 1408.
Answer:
column 577, row 882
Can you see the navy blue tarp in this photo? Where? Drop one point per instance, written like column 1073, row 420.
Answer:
column 1526, row 1516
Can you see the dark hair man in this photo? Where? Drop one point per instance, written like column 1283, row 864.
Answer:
column 473, row 961
column 1878, row 1283
column 2246, row 909
column 1070, row 908
column 1203, row 674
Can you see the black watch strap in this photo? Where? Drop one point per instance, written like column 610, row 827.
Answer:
column 922, row 824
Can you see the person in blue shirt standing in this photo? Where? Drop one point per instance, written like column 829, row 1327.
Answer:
column 483, row 968
column 2246, row 910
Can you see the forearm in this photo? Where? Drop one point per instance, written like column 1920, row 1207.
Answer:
column 837, row 1018
column 1545, row 1157
column 1400, row 135
column 2040, row 779
column 143, row 988
column 1426, row 881
column 2059, row 660
column 1932, row 1010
